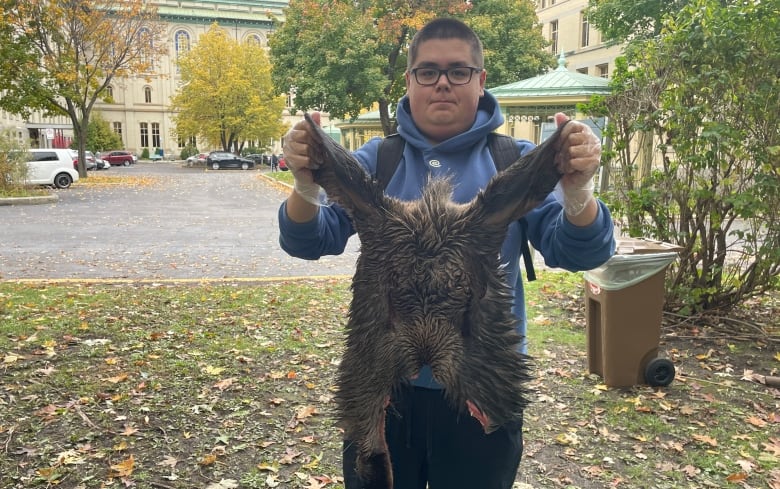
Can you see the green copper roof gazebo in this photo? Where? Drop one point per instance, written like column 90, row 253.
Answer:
column 540, row 97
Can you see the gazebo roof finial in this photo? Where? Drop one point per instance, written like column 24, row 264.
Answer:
column 561, row 62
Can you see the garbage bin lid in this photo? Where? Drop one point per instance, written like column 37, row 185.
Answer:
column 640, row 246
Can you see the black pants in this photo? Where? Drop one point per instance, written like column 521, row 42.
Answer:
column 430, row 443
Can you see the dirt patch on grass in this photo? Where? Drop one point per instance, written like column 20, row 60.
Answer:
column 232, row 386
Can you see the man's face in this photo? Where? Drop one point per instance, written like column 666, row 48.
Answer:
column 444, row 110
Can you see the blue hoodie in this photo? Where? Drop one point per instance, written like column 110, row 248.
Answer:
column 465, row 158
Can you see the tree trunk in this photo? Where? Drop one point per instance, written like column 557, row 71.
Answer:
column 80, row 133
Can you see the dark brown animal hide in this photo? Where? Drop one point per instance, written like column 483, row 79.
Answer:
column 428, row 289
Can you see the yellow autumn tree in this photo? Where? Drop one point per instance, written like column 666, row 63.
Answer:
column 60, row 56
column 227, row 97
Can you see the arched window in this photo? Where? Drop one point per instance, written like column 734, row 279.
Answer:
column 148, row 95
column 182, row 43
column 255, row 39
column 181, row 40
column 145, row 39
column 110, row 93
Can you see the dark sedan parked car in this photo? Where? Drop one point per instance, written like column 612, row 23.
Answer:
column 223, row 159
column 259, row 159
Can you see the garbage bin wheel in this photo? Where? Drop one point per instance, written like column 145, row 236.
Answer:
column 659, row 372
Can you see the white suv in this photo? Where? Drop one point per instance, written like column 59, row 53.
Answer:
column 51, row 167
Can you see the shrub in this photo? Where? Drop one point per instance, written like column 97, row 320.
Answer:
column 188, row 151
column 13, row 169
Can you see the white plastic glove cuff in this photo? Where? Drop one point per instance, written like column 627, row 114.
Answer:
column 310, row 192
column 575, row 200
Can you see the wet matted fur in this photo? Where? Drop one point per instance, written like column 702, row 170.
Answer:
column 428, row 289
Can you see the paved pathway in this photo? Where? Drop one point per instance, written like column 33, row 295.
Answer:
column 170, row 223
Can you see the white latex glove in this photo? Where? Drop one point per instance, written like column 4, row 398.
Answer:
column 296, row 157
column 309, row 191
column 575, row 199
column 578, row 158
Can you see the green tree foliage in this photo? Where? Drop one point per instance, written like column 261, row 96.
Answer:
column 187, row 151
column 512, row 40
column 60, row 56
column 624, row 20
column 707, row 92
column 100, row 136
column 227, row 97
column 344, row 57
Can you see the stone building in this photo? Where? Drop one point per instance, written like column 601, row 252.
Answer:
column 140, row 110
column 566, row 26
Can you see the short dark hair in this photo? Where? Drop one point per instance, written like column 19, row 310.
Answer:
column 446, row 28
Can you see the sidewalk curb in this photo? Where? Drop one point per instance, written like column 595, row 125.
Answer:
column 171, row 281
column 38, row 199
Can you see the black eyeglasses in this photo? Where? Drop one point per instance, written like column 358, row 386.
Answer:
column 459, row 75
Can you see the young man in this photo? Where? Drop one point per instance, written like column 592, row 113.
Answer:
column 444, row 119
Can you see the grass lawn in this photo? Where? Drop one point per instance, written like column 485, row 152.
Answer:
column 231, row 385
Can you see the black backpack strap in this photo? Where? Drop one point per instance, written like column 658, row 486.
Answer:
column 504, row 151
column 388, row 157
column 525, row 250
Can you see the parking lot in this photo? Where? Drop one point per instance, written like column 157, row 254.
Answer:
column 159, row 221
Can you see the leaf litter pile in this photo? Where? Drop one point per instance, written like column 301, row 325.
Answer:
column 231, row 386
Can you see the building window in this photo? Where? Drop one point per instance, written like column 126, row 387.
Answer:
column 554, row 36
column 146, row 42
column 110, row 93
column 182, row 141
column 181, row 42
column 144, row 135
column 118, row 128
column 585, row 26
column 542, row 3
column 602, row 70
column 148, row 95
column 156, row 134
column 255, row 39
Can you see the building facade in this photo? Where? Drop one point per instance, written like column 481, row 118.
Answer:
column 140, row 108
column 565, row 25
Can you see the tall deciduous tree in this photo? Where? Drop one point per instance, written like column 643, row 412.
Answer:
column 227, row 97
column 512, row 39
column 707, row 90
column 60, row 56
column 343, row 57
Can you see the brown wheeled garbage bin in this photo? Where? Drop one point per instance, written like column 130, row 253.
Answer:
column 624, row 303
